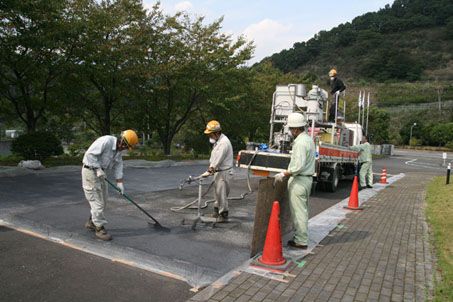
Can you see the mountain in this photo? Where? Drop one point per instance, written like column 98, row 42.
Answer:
column 409, row 40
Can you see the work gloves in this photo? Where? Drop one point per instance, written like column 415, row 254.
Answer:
column 279, row 177
column 100, row 173
column 205, row 174
column 120, row 186
column 211, row 171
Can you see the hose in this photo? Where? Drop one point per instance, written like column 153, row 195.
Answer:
column 242, row 196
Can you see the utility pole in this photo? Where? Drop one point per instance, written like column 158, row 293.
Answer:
column 363, row 111
column 360, row 103
column 410, row 137
column 439, row 99
column 367, row 114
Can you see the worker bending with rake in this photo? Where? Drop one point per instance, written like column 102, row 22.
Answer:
column 300, row 172
column 104, row 153
column 220, row 164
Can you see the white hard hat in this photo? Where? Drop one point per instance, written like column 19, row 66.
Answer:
column 296, row 120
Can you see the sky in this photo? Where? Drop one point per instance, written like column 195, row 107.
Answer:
column 273, row 25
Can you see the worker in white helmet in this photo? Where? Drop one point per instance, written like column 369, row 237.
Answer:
column 300, row 172
column 104, row 153
column 220, row 164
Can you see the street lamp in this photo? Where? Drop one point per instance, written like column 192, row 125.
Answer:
column 410, row 137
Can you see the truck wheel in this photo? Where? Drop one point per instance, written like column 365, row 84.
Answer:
column 334, row 179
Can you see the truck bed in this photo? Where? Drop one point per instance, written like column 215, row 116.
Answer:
column 272, row 161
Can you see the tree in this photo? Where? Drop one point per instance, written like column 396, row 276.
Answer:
column 36, row 41
column 379, row 122
column 189, row 65
column 106, row 61
column 442, row 134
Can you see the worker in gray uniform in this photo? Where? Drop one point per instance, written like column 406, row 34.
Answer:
column 366, row 161
column 220, row 164
column 103, row 154
column 300, row 172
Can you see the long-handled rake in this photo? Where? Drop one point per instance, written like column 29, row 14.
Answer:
column 156, row 223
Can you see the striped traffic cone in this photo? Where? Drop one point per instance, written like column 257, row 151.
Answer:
column 383, row 177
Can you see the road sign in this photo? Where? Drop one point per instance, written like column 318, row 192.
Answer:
column 444, row 155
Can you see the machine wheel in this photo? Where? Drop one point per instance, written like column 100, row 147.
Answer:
column 332, row 184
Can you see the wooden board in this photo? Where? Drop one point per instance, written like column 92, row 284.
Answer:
column 267, row 194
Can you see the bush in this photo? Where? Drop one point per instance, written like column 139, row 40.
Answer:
column 449, row 145
column 78, row 149
column 415, row 142
column 37, row 146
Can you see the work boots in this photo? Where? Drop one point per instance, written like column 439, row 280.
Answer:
column 90, row 225
column 223, row 217
column 216, row 212
column 102, row 234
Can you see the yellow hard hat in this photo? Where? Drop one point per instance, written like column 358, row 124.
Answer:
column 212, row 126
column 130, row 138
column 332, row 72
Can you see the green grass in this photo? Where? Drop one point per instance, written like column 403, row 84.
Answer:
column 9, row 160
column 440, row 216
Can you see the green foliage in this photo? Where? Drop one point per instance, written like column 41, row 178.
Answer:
column 379, row 122
column 449, row 29
column 365, row 47
column 35, row 37
column 415, row 142
column 36, row 146
column 10, row 160
column 197, row 66
column 442, row 133
column 396, row 94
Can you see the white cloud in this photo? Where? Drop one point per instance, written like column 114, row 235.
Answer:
column 183, row 6
column 270, row 36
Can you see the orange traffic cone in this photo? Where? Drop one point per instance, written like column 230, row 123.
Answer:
column 273, row 252
column 383, row 177
column 353, row 203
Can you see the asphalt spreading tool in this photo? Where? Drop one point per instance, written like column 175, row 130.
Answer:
column 200, row 217
column 156, row 223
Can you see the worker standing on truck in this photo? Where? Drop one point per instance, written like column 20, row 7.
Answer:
column 300, row 172
column 336, row 87
column 365, row 160
column 104, row 153
column 220, row 164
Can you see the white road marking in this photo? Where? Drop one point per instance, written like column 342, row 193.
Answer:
column 423, row 165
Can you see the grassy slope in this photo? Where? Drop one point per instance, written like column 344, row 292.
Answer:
column 440, row 216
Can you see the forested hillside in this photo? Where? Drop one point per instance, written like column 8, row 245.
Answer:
column 406, row 41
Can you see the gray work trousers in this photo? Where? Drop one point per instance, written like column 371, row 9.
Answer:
column 221, row 190
column 96, row 193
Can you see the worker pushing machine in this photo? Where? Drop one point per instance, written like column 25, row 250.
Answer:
column 220, row 164
column 337, row 86
column 300, row 172
column 365, row 160
column 104, row 153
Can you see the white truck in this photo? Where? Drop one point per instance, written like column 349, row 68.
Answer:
column 334, row 159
